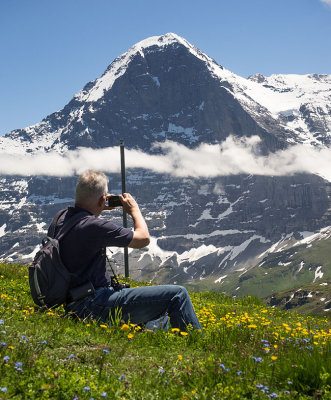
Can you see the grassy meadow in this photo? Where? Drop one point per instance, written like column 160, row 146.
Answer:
column 248, row 351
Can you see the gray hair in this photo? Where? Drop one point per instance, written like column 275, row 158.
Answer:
column 91, row 186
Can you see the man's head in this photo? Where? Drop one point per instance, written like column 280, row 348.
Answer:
column 91, row 190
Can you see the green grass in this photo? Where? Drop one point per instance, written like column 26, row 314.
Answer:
column 249, row 351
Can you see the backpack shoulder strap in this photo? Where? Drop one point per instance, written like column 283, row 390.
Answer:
column 55, row 221
column 70, row 224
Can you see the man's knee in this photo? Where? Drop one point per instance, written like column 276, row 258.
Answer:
column 172, row 292
column 181, row 291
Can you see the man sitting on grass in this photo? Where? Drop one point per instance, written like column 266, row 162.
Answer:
column 83, row 252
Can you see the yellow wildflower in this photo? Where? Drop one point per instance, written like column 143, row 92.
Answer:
column 45, row 387
column 125, row 327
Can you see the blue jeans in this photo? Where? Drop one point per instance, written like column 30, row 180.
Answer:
column 149, row 305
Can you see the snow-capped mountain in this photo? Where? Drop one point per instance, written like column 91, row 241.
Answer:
column 165, row 89
column 294, row 108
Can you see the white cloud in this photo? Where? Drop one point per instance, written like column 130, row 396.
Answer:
column 233, row 156
column 328, row 2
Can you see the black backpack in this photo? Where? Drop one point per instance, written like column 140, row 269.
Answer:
column 49, row 279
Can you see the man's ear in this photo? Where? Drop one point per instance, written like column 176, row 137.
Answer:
column 101, row 201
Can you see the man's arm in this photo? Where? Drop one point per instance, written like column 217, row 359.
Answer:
column 141, row 236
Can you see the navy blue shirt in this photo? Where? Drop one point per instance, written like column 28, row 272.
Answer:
column 83, row 249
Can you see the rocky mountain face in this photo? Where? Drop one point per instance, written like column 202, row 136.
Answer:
column 165, row 89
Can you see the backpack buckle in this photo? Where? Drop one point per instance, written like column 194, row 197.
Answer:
column 44, row 241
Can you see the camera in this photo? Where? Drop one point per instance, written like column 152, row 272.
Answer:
column 114, row 283
column 113, row 201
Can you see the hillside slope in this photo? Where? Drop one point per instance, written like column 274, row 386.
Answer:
column 313, row 299
column 292, row 270
column 248, row 351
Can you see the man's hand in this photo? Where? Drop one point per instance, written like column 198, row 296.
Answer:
column 130, row 205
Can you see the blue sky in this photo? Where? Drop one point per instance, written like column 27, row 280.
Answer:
column 51, row 49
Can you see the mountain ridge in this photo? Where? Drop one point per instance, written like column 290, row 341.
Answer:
column 249, row 92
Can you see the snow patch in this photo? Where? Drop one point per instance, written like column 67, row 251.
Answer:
column 205, row 215
column 318, row 273
column 33, row 253
column 239, row 249
column 187, row 256
column 188, row 132
column 291, row 297
column 278, row 246
column 306, row 234
column 196, row 253
column 322, row 234
column 3, row 230
column 229, row 210
column 219, row 280
column 301, row 266
column 40, row 227
column 204, row 190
